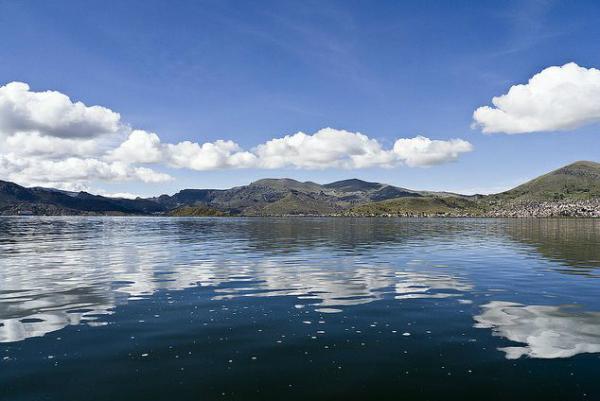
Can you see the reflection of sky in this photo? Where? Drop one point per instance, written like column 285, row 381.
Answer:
column 59, row 272
column 545, row 331
column 337, row 288
column 55, row 304
column 68, row 272
column 417, row 285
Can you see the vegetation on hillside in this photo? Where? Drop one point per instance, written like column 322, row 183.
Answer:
column 196, row 211
column 296, row 203
column 577, row 181
column 573, row 190
column 419, row 206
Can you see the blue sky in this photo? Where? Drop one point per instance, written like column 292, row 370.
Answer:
column 252, row 71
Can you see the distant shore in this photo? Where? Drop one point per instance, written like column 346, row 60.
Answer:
column 570, row 191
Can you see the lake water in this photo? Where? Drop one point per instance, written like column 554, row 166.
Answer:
column 299, row 309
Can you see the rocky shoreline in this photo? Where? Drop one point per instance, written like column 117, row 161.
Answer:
column 583, row 208
column 570, row 191
column 571, row 209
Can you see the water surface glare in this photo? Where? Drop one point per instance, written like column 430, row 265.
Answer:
column 101, row 308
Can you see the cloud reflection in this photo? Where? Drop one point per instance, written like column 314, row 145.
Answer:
column 59, row 303
column 546, row 331
column 39, row 299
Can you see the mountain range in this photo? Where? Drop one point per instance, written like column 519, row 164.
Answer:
column 573, row 190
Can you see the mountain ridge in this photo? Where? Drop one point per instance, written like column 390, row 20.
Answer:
column 571, row 190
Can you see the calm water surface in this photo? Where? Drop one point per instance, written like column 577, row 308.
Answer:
column 299, row 309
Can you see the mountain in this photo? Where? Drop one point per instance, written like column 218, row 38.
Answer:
column 286, row 196
column 577, row 181
column 195, row 211
column 573, row 190
column 15, row 199
column 419, row 206
column 354, row 185
column 287, row 184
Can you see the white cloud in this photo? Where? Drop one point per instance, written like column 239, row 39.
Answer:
column 557, row 98
column 121, row 195
column 327, row 148
column 140, row 147
column 208, row 156
column 72, row 172
column 146, row 147
column 143, row 174
column 52, row 113
column 49, row 140
column 421, row 151
column 332, row 148
column 33, row 144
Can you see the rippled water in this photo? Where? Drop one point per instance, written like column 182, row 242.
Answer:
column 323, row 308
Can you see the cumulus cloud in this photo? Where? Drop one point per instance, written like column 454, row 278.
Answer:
column 62, row 173
column 121, row 195
column 48, row 139
column 326, row 148
column 146, row 147
column 208, row 156
column 140, row 147
column 343, row 149
column 422, row 151
column 34, row 144
column 557, row 98
column 52, row 113
column 332, row 148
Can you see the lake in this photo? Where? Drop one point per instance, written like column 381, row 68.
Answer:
column 133, row 308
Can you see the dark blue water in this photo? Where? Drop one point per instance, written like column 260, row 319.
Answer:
column 299, row 309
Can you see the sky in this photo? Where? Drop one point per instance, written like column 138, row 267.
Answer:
column 150, row 97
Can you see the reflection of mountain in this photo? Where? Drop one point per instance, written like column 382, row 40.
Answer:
column 574, row 242
column 68, row 271
column 546, row 331
column 351, row 235
column 417, row 285
column 60, row 271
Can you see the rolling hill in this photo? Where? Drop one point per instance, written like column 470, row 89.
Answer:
column 419, row 206
column 572, row 190
column 577, row 181
column 15, row 199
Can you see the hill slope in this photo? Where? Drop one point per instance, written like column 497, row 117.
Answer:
column 577, row 181
column 419, row 206
column 573, row 190
column 286, row 196
column 15, row 199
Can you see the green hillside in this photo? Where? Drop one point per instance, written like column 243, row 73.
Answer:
column 573, row 190
column 417, row 206
column 195, row 211
column 577, row 181
column 296, row 203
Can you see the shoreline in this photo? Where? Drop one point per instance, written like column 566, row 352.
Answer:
column 415, row 217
